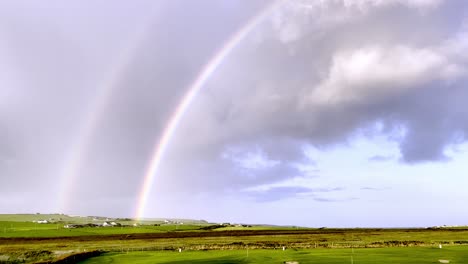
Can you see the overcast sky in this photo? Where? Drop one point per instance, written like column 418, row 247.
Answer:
column 327, row 113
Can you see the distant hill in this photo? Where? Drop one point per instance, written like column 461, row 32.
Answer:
column 85, row 219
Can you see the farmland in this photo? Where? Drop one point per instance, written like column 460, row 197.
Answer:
column 325, row 256
column 23, row 240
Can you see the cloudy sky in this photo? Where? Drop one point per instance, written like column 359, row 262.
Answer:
column 324, row 113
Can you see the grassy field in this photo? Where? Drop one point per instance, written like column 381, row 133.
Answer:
column 410, row 255
column 25, row 225
column 11, row 229
column 154, row 241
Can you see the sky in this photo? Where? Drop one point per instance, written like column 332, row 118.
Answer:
column 338, row 113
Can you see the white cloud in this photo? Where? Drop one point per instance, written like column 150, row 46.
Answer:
column 379, row 71
column 366, row 4
column 457, row 47
column 296, row 18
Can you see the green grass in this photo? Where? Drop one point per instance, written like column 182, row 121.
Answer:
column 49, row 217
column 88, row 219
column 30, row 229
column 32, row 217
column 22, row 225
column 411, row 255
column 329, row 245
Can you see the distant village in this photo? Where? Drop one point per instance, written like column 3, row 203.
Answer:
column 96, row 221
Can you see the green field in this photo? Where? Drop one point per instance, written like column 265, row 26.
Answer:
column 22, row 225
column 155, row 241
column 29, row 229
column 414, row 255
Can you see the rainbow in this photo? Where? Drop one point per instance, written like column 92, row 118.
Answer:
column 193, row 90
column 96, row 109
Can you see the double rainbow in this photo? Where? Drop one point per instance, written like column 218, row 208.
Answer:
column 74, row 161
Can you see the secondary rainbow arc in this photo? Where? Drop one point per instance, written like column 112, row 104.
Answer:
column 74, row 161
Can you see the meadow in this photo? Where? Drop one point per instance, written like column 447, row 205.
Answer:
column 23, row 240
column 28, row 229
column 409, row 255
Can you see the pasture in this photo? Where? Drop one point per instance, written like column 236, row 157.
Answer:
column 23, row 240
column 13, row 229
column 405, row 255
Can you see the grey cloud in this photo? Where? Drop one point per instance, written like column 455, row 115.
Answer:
column 219, row 175
column 275, row 106
column 334, row 80
column 267, row 95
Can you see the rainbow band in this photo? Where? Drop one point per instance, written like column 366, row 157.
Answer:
column 74, row 161
column 193, row 90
